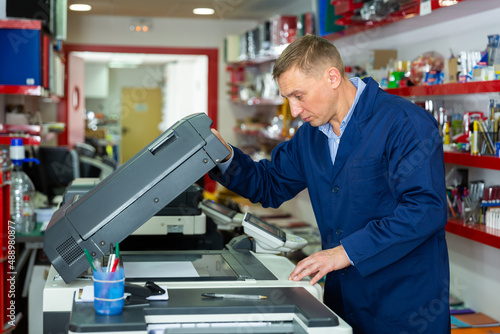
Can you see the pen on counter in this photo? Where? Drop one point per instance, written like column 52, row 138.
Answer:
column 232, row 296
column 89, row 258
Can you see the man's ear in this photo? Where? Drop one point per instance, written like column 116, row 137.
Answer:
column 334, row 77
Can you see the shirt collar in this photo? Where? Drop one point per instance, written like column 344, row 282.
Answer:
column 327, row 128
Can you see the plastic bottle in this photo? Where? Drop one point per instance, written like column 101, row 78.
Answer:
column 20, row 186
column 446, row 130
column 28, row 212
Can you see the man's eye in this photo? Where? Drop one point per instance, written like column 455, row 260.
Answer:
column 299, row 97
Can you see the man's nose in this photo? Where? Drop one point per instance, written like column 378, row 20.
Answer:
column 295, row 110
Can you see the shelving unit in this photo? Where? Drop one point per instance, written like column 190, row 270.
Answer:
column 21, row 90
column 258, row 101
column 479, row 233
column 409, row 11
column 466, row 159
column 39, row 64
column 476, row 87
column 257, row 133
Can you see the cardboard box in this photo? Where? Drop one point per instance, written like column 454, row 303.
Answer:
column 231, row 48
column 380, row 58
column 451, row 70
column 98, row 134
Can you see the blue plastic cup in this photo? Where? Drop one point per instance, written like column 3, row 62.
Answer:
column 109, row 289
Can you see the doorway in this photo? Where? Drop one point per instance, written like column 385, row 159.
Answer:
column 207, row 99
column 140, row 119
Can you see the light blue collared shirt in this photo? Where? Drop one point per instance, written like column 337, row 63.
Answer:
column 333, row 139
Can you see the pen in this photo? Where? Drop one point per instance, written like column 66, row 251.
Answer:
column 232, row 296
column 117, row 250
column 115, row 265
column 89, row 258
column 111, row 261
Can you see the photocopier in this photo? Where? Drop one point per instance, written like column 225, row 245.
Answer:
column 122, row 202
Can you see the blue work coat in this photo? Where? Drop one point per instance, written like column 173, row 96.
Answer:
column 384, row 200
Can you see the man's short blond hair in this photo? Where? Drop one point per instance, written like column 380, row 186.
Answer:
column 311, row 54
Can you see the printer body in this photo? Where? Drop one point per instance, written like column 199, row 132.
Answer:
column 120, row 204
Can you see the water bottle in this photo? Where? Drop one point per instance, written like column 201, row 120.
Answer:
column 20, row 186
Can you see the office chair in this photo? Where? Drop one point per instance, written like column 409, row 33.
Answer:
column 92, row 165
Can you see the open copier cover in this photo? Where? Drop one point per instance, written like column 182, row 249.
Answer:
column 131, row 195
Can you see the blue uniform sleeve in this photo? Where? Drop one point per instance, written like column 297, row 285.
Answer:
column 269, row 183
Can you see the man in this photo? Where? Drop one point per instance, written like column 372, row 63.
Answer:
column 373, row 165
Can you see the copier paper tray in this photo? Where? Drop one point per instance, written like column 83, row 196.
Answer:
column 131, row 195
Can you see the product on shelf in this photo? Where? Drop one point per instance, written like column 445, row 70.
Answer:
column 427, row 69
column 283, row 31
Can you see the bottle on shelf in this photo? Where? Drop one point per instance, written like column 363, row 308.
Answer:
column 22, row 190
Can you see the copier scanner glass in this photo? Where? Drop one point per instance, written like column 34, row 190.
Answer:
column 172, row 265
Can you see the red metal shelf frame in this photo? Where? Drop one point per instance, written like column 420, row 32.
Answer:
column 480, row 233
column 359, row 27
column 21, row 90
column 476, row 87
column 466, row 159
column 20, row 24
column 31, row 140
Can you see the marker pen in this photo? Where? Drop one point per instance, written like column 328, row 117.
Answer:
column 475, row 139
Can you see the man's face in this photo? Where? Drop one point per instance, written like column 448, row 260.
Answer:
column 310, row 97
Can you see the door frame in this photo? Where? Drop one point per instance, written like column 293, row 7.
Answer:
column 212, row 85
column 213, row 68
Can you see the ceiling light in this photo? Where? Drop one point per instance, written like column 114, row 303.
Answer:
column 80, row 7
column 445, row 3
column 203, row 11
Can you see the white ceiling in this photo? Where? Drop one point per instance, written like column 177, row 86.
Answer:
column 257, row 10
column 224, row 9
column 131, row 58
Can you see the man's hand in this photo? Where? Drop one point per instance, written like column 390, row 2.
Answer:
column 320, row 263
column 217, row 134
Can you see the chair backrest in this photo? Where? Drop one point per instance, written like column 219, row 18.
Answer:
column 59, row 166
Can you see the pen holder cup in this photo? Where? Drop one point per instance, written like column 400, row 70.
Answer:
column 109, row 292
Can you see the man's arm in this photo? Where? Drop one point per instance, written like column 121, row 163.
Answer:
column 268, row 182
